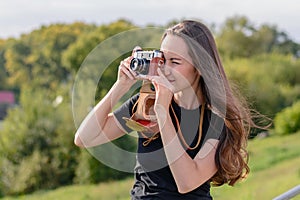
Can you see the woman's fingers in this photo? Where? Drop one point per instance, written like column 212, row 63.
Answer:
column 125, row 69
column 137, row 48
column 159, row 80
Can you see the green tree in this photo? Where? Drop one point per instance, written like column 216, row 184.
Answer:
column 270, row 81
column 78, row 51
column 37, row 143
column 234, row 38
column 288, row 120
column 238, row 37
column 3, row 73
column 39, row 131
column 35, row 59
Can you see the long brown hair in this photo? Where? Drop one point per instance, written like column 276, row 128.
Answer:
column 231, row 156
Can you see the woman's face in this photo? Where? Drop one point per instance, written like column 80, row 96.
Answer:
column 178, row 68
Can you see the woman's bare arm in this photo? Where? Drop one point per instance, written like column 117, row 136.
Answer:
column 100, row 126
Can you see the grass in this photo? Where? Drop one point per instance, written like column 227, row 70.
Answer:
column 265, row 184
column 275, row 168
column 118, row 190
column 274, row 163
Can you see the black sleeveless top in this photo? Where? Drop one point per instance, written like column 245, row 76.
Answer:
column 153, row 177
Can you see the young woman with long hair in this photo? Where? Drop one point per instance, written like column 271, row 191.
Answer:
column 199, row 126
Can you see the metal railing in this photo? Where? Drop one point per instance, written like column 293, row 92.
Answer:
column 289, row 194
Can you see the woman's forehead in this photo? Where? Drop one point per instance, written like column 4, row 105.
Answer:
column 174, row 44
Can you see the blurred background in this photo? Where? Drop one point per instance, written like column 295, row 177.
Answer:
column 43, row 44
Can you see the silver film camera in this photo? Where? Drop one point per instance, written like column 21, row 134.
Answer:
column 147, row 62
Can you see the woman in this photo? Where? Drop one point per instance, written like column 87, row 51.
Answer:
column 203, row 127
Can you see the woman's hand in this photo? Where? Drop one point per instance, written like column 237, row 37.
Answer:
column 164, row 90
column 125, row 74
column 127, row 77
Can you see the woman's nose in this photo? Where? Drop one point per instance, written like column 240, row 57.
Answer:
column 166, row 70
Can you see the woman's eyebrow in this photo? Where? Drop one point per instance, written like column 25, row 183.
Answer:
column 172, row 56
column 175, row 58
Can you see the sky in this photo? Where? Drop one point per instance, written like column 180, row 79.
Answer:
column 23, row 16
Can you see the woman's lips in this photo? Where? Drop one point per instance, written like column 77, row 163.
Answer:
column 170, row 79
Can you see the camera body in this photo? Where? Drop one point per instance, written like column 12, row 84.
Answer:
column 147, row 62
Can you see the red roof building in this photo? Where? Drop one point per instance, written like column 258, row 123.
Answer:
column 7, row 97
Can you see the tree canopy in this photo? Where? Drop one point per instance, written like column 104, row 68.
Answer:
column 239, row 37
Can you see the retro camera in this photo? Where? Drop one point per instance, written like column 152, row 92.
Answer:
column 147, row 62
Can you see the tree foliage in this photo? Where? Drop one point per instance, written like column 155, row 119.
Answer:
column 34, row 60
column 78, row 51
column 36, row 141
column 270, row 81
column 287, row 121
column 239, row 37
column 3, row 73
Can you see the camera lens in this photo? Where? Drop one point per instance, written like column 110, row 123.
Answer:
column 135, row 64
column 139, row 65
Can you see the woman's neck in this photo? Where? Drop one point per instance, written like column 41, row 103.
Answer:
column 189, row 98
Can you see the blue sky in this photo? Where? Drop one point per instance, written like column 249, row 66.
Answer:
column 22, row 16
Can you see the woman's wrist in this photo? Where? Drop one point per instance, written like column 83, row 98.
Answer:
column 121, row 86
column 162, row 112
column 164, row 100
column 116, row 92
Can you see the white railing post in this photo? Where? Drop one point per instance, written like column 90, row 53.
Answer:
column 289, row 194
